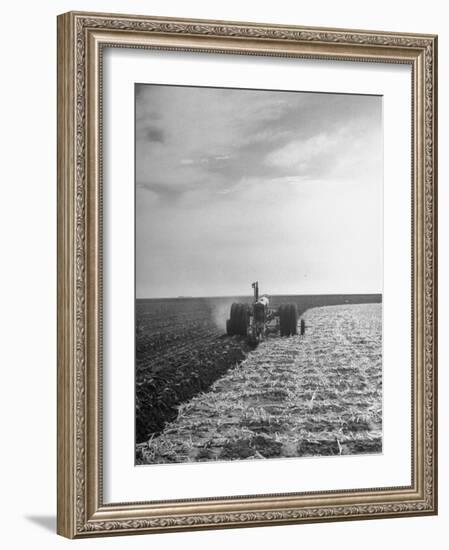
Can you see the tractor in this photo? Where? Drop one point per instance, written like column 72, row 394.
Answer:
column 258, row 319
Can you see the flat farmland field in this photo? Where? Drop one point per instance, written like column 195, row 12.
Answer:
column 201, row 395
column 181, row 349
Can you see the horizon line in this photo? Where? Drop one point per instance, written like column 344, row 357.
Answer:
column 182, row 296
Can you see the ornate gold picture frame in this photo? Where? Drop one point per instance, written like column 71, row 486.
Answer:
column 82, row 40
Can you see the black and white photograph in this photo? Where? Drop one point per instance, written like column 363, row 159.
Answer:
column 258, row 274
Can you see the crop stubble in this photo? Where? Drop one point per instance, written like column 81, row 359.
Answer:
column 316, row 395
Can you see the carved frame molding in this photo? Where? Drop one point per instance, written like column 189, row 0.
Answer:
column 81, row 39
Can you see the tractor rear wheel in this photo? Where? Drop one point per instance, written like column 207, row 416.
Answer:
column 243, row 320
column 282, row 321
column 238, row 322
column 293, row 319
column 231, row 323
column 288, row 319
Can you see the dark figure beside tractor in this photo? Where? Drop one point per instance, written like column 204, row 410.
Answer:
column 258, row 319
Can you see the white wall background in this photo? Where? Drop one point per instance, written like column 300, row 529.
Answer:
column 28, row 271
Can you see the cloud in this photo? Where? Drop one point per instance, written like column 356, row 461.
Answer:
column 163, row 191
column 302, row 153
column 154, row 134
column 347, row 152
column 224, row 175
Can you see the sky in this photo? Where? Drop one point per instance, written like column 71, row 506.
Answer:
column 236, row 185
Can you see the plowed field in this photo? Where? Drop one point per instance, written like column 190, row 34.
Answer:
column 312, row 395
column 181, row 349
